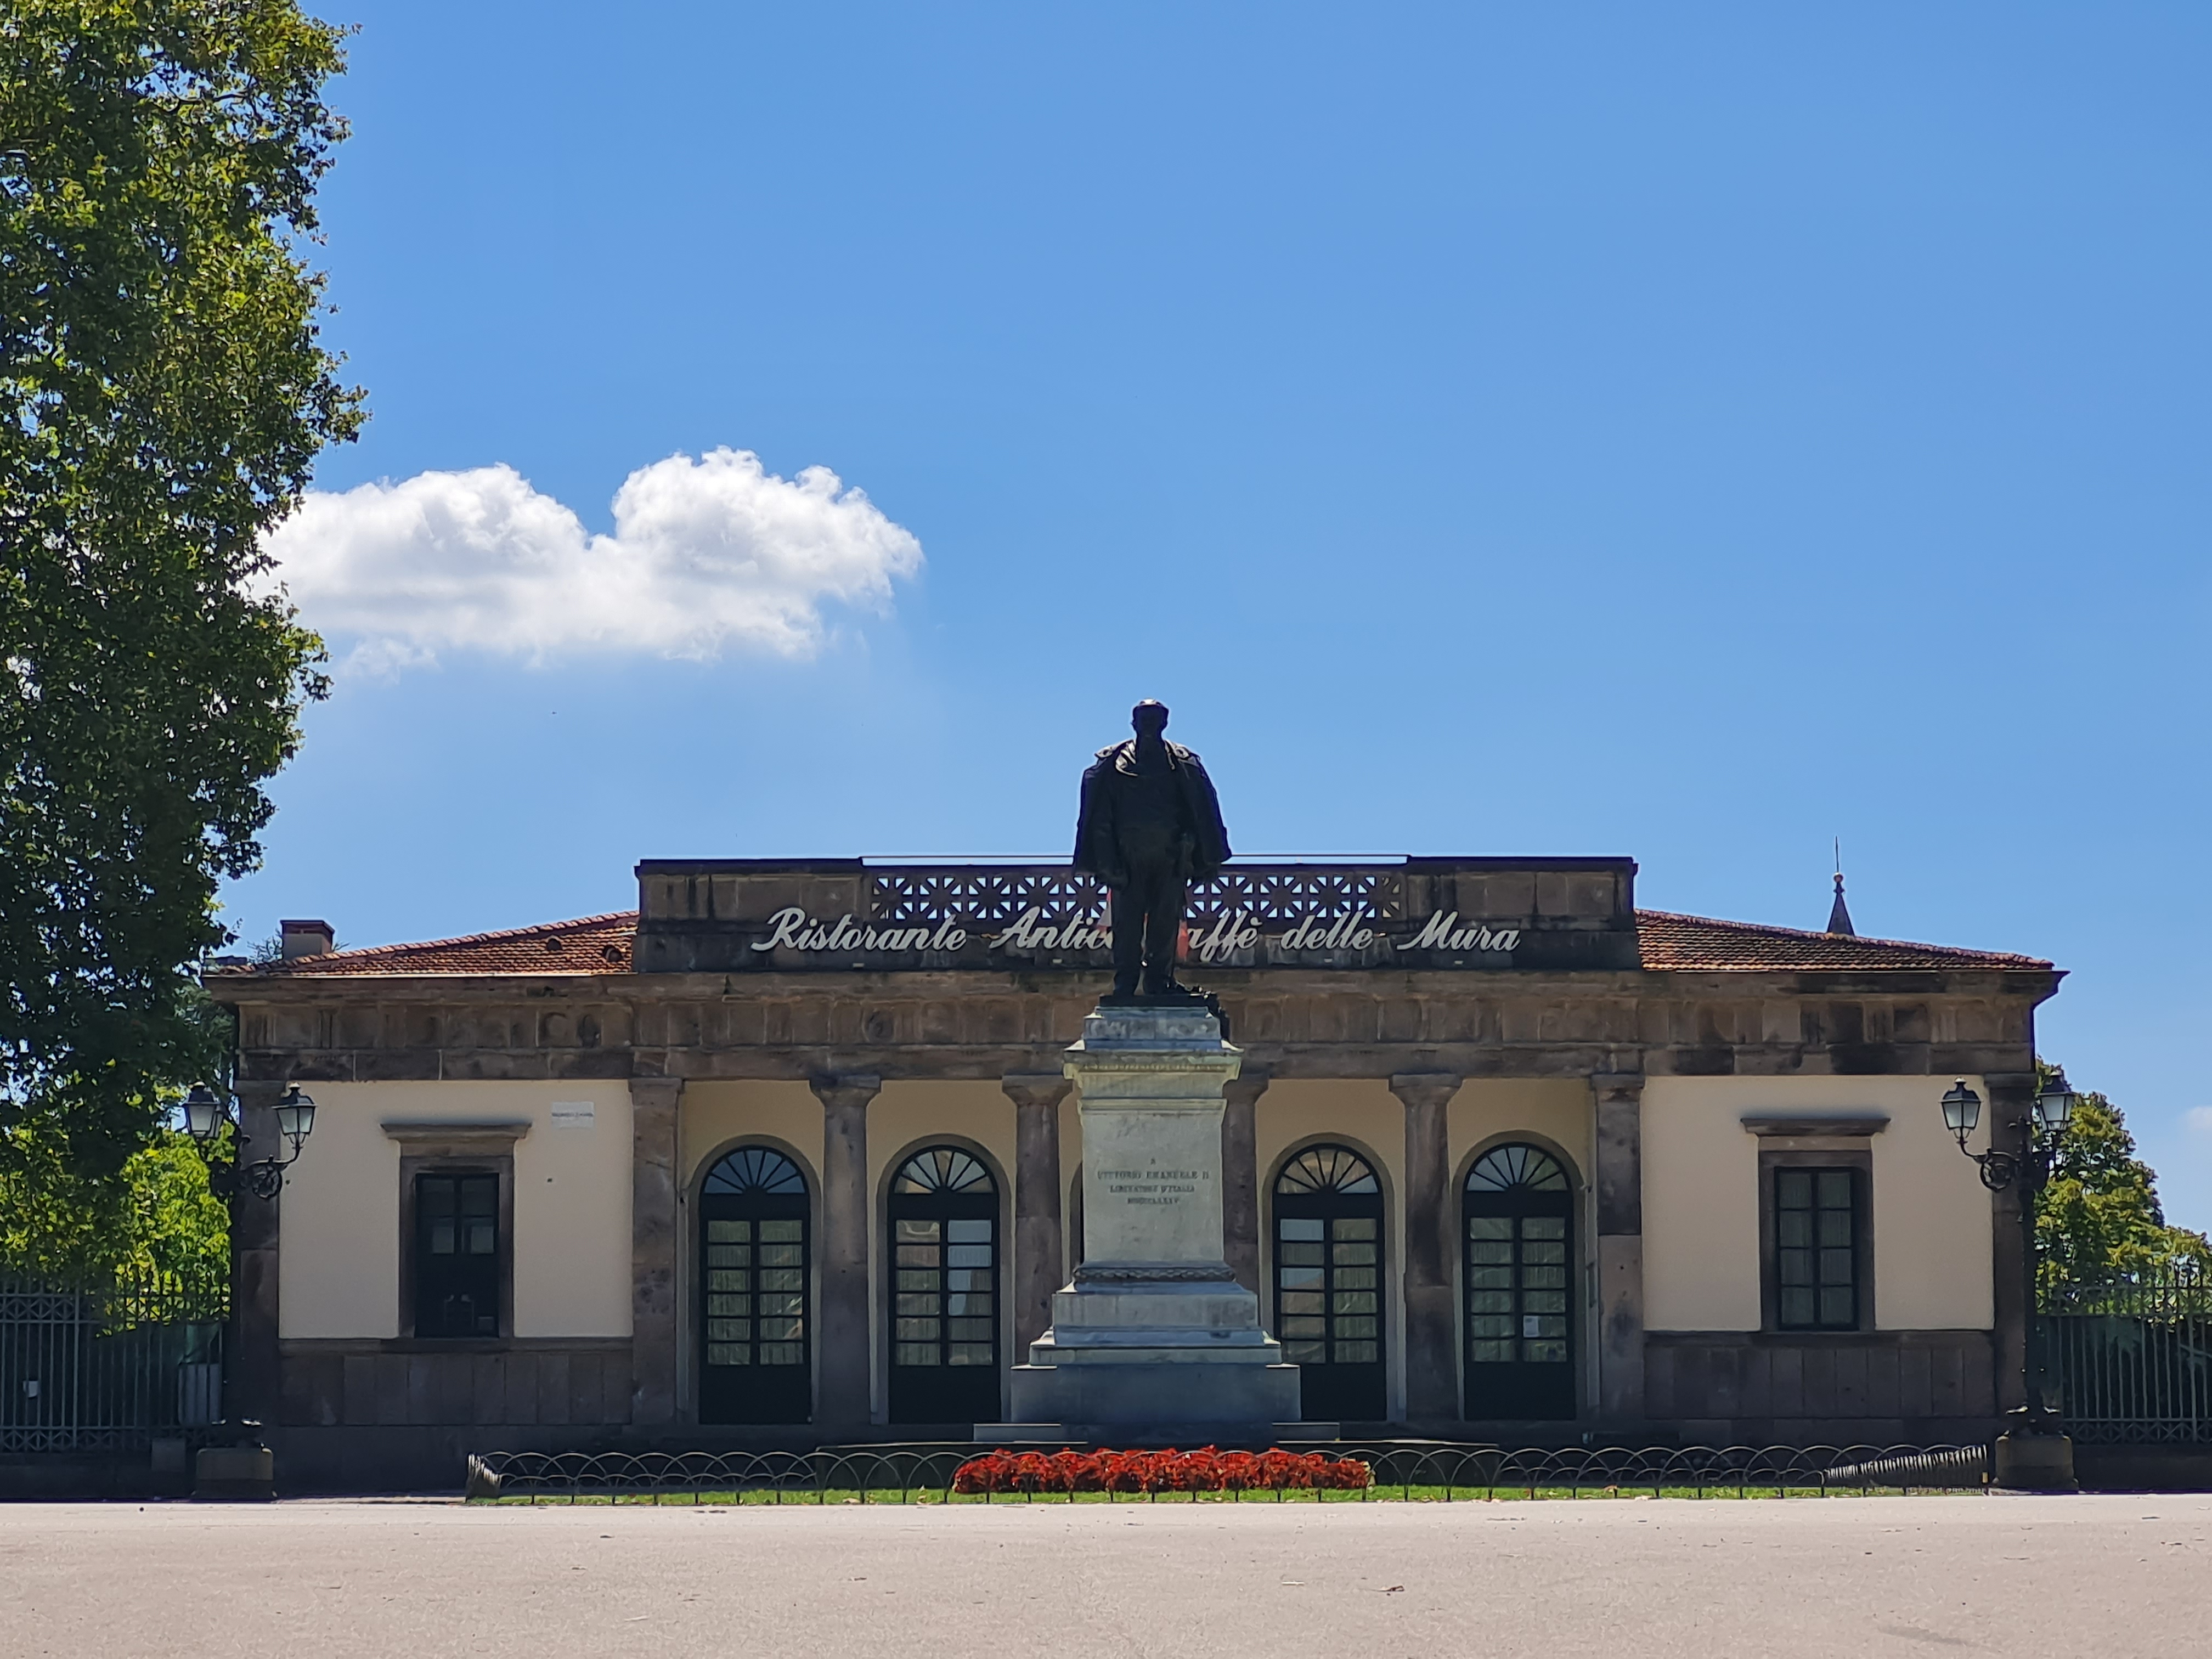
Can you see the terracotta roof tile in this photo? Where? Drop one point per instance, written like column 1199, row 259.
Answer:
column 591, row 944
column 1701, row 944
column 602, row 945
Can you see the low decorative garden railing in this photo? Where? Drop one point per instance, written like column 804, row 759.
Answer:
column 1412, row 1471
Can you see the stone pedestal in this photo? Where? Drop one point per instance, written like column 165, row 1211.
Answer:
column 234, row 1475
column 2034, row 1462
column 1155, row 1340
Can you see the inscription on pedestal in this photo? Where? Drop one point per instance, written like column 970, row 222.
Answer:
column 1153, row 1186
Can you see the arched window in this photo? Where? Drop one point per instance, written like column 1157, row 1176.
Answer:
column 944, row 1290
column 1329, row 1283
column 755, row 1364
column 1518, row 1214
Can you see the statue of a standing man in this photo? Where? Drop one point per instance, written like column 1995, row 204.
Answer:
column 1148, row 826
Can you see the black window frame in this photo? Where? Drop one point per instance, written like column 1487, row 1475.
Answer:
column 489, row 1276
column 1772, row 1167
column 952, row 1390
column 1521, row 1389
column 754, row 1393
column 1333, row 1390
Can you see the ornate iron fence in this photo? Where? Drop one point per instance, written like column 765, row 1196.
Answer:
column 1408, row 1470
column 2132, row 1361
column 107, row 1368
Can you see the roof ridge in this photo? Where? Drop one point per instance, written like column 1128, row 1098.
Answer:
column 1770, row 928
column 465, row 939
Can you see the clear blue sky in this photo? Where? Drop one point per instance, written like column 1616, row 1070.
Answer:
column 1692, row 432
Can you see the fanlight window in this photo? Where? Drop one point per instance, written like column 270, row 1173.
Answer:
column 754, row 1169
column 943, row 1170
column 1326, row 1169
column 1521, row 1169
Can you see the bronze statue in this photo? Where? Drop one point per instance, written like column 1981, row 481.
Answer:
column 1149, row 824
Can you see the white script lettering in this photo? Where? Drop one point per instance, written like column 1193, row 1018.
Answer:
column 1441, row 931
column 792, row 929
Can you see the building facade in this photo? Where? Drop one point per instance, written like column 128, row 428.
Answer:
column 785, row 1157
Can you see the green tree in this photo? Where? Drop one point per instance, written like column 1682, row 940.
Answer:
column 2100, row 1220
column 154, row 1215
column 163, row 393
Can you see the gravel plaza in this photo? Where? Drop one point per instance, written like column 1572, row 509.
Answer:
column 2116, row 1576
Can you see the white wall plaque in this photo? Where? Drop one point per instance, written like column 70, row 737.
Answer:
column 572, row 1114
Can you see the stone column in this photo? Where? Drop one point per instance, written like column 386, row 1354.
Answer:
column 253, row 1377
column 1619, row 1183
column 1240, row 1177
column 2011, row 1104
column 1039, row 1269
column 1431, row 1356
column 652, row 1247
column 843, row 1393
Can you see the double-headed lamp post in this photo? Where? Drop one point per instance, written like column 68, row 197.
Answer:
column 242, row 1467
column 207, row 1112
column 2054, row 1107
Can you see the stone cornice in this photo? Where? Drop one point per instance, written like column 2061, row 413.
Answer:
column 239, row 990
column 991, row 1062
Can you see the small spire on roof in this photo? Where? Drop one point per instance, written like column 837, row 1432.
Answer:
column 1839, row 914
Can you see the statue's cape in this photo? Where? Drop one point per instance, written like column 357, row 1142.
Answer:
column 1094, row 827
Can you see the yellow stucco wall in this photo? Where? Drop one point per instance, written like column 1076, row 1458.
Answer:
column 712, row 1117
column 1489, row 1109
column 905, row 1114
column 338, row 1266
column 1701, row 1258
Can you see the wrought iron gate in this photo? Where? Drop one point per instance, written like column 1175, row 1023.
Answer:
column 2133, row 1362
column 106, row 1369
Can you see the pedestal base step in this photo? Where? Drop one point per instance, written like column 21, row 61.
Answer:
column 1120, row 1436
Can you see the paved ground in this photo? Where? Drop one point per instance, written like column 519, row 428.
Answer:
column 2112, row 1577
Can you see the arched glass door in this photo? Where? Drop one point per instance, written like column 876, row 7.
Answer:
column 1518, row 1221
column 1329, row 1283
column 944, row 1290
column 755, row 1364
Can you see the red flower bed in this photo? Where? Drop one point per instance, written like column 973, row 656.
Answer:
column 1206, row 1469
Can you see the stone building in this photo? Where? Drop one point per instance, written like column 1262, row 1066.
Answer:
column 786, row 1156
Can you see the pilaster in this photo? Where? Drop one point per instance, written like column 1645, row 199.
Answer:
column 652, row 1245
column 843, row 1390
column 1240, row 1176
column 252, row 1378
column 2011, row 1104
column 1618, row 1183
column 1431, row 1358
column 1039, row 1269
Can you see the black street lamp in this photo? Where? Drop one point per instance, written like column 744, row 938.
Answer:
column 207, row 1112
column 236, row 1464
column 2054, row 1107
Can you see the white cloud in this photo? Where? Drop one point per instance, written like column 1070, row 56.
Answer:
column 2199, row 1120
column 707, row 555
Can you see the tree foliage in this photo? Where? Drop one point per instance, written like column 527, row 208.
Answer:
column 2099, row 1220
column 156, row 1215
column 163, row 393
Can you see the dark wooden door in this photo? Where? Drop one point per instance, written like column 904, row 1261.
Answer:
column 1329, row 1283
column 756, row 1347
column 1517, row 1233
column 944, row 1290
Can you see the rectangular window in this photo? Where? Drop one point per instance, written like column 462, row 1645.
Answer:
column 1816, row 1248
column 457, row 1248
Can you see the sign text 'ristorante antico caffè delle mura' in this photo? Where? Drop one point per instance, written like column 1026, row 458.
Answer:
column 719, row 916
